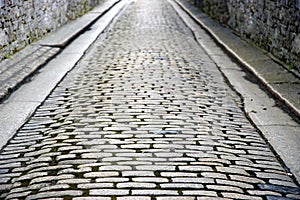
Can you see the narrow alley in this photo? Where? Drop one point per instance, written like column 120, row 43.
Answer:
column 145, row 114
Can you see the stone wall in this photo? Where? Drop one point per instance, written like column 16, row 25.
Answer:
column 273, row 25
column 24, row 21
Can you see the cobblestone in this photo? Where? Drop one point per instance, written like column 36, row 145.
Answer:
column 154, row 192
column 55, row 194
column 134, row 198
column 235, row 183
column 100, row 174
column 239, row 196
column 136, row 185
column 145, row 114
column 200, row 193
column 109, row 192
column 137, row 173
column 181, row 185
column 95, row 185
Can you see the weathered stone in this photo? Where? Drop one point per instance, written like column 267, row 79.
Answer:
column 23, row 23
column 144, row 113
column 272, row 26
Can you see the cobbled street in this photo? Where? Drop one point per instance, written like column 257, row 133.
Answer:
column 145, row 114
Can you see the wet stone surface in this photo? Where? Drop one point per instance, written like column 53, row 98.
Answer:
column 144, row 115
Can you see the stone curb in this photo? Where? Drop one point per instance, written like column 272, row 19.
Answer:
column 21, row 66
column 24, row 64
column 255, row 63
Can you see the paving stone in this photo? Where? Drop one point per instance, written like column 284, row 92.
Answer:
column 181, row 185
column 156, row 167
column 115, row 168
column 76, row 161
column 51, row 178
column 134, row 198
column 108, row 192
column 232, row 170
column 282, row 183
column 111, row 180
column 213, row 175
column 10, row 165
column 262, row 193
column 154, row 192
column 245, row 179
column 235, row 183
column 59, row 186
column 101, row 174
column 277, row 198
column 293, row 196
column 65, row 157
column 151, row 179
column 177, row 174
column 132, row 185
column 239, row 196
column 95, row 185
column 92, row 198
column 30, row 176
column 200, row 193
column 137, row 173
column 273, row 176
column 195, row 168
column 278, row 188
column 193, row 180
column 69, row 170
column 18, row 195
column 55, row 194
column 73, row 181
column 133, row 163
column 224, row 188
column 207, row 198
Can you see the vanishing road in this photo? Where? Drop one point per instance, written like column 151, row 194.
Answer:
column 145, row 114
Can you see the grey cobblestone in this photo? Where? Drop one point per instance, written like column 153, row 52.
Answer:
column 55, row 187
column 92, row 198
column 51, row 178
column 154, row 192
column 73, row 181
column 112, row 180
column 235, row 183
column 95, row 185
column 109, row 192
column 137, row 173
column 132, row 185
column 101, row 174
column 30, row 176
column 55, row 194
column 151, row 179
column 175, row 198
column 134, row 198
column 224, row 188
column 144, row 114
column 193, row 180
column 181, row 185
column 210, row 194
